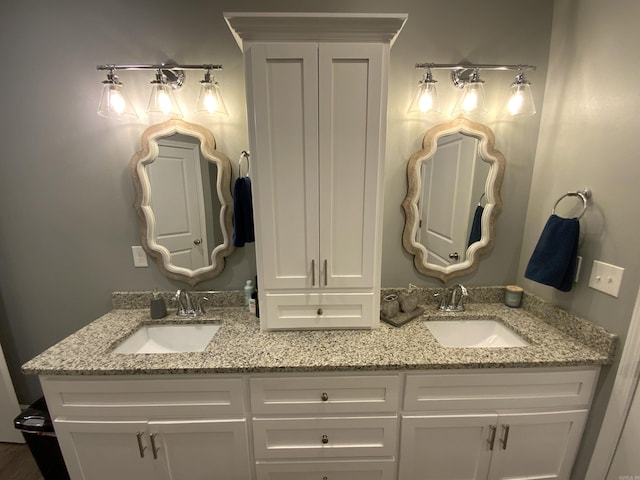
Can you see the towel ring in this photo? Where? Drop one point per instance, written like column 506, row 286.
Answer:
column 584, row 195
column 243, row 155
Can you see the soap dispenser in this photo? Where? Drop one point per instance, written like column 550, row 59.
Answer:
column 158, row 308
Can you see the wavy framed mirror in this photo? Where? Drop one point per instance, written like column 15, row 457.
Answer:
column 183, row 199
column 453, row 198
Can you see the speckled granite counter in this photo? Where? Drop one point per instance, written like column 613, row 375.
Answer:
column 556, row 339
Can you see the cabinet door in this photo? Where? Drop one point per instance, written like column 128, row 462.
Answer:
column 537, row 446
column 352, row 110
column 283, row 81
column 446, row 447
column 96, row 450
column 200, row 449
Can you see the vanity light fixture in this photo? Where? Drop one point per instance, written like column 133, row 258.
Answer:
column 168, row 77
column 472, row 99
column 113, row 100
column 426, row 99
column 161, row 101
column 520, row 100
column 210, row 99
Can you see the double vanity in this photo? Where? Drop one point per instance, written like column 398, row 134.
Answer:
column 381, row 404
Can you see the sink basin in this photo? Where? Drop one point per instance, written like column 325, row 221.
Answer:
column 168, row 338
column 474, row 334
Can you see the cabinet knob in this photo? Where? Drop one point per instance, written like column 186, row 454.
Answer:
column 324, row 396
column 197, row 241
column 320, row 312
column 325, row 439
column 325, row 478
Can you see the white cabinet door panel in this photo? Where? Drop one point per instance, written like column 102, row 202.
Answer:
column 446, row 447
column 285, row 161
column 202, row 448
column 351, row 108
column 537, row 446
column 95, row 450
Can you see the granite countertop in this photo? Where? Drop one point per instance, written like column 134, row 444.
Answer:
column 556, row 339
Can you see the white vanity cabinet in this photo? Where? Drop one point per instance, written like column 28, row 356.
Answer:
column 427, row 425
column 149, row 428
column 316, row 102
column 494, row 426
column 315, row 427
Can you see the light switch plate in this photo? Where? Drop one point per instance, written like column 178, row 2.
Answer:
column 139, row 256
column 606, row 278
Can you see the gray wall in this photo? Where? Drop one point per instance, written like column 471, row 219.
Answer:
column 65, row 192
column 589, row 138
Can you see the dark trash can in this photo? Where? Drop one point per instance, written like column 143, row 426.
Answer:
column 37, row 429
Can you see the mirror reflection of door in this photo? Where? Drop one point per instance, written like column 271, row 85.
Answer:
column 447, row 203
column 178, row 202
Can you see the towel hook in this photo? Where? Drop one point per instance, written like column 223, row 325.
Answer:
column 244, row 155
column 584, row 195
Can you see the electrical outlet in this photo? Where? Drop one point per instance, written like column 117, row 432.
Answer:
column 606, row 278
column 139, row 256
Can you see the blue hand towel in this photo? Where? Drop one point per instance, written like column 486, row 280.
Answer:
column 555, row 257
column 242, row 213
column 476, row 226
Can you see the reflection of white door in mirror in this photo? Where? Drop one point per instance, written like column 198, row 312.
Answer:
column 445, row 203
column 183, row 199
column 457, row 166
column 177, row 202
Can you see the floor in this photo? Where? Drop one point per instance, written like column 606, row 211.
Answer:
column 17, row 463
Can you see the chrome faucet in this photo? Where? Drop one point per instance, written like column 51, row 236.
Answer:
column 187, row 307
column 452, row 300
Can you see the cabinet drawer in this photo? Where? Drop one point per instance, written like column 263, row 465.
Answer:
column 107, row 397
column 334, row 470
column 486, row 390
column 325, row 437
column 326, row 395
column 320, row 310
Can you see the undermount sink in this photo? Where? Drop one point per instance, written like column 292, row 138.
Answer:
column 168, row 338
column 474, row 333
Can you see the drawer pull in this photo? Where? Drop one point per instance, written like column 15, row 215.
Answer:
column 492, row 437
column 505, row 438
column 325, row 439
column 320, row 312
column 325, row 478
column 141, row 448
column 325, row 272
column 324, row 396
column 313, row 273
column 154, row 447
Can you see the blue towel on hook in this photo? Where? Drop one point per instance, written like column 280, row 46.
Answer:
column 555, row 257
column 242, row 213
column 476, row 226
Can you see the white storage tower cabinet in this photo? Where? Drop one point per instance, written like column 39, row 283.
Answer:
column 316, row 88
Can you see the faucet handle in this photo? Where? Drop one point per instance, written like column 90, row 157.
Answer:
column 443, row 298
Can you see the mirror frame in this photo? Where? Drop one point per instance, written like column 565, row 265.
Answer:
column 146, row 155
column 486, row 151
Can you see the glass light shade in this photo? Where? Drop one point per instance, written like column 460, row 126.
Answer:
column 162, row 101
column 520, row 100
column 426, row 100
column 114, row 102
column 210, row 99
column 471, row 100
